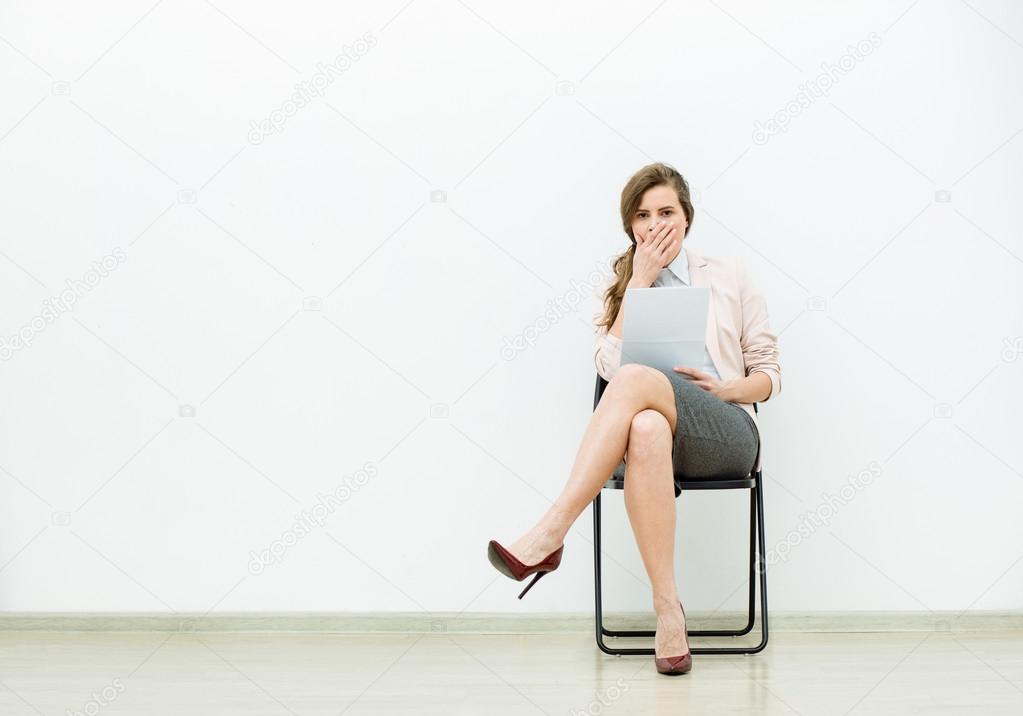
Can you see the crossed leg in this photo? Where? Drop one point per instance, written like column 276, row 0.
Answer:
column 637, row 412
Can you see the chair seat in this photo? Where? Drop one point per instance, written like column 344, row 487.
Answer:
column 724, row 482
column 703, row 483
column 713, row 482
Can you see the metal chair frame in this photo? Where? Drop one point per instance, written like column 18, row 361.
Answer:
column 757, row 563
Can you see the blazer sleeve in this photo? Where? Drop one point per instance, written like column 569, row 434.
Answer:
column 608, row 355
column 758, row 342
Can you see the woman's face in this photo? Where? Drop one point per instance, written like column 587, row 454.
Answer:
column 659, row 203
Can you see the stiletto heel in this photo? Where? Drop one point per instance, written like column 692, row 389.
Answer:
column 529, row 586
column 507, row 564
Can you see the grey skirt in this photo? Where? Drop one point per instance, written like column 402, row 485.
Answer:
column 713, row 438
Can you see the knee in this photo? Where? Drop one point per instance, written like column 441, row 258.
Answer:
column 629, row 378
column 649, row 432
column 628, row 373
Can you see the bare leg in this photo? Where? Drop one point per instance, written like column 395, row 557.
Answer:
column 632, row 389
column 650, row 501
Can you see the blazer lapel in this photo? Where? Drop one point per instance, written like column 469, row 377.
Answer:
column 699, row 275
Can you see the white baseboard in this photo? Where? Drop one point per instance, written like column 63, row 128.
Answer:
column 501, row 623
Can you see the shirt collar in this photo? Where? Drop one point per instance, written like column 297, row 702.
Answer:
column 679, row 266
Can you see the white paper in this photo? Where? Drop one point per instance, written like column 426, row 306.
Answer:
column 665, row 326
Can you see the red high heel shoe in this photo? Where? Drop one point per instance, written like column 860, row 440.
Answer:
column 676, row 665
column 506, row 563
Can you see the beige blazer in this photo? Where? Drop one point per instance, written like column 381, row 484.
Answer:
column 739, row 338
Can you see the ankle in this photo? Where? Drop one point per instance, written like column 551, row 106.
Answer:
column 555, row 524
column 537, row 543
column 547, row 540
column 667, row 606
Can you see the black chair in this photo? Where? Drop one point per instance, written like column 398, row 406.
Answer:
column 753, row 483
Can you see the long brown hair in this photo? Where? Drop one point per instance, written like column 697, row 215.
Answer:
column 651, row 175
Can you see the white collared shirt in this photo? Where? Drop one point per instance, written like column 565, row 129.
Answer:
column 676, row 273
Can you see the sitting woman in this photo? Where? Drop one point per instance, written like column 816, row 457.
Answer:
column 656, row 426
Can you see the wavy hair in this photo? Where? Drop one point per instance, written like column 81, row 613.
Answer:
column 658, row 174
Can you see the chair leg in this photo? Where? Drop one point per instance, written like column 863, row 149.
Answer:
column 758, row 564
column 601, row 631
column 762, row 566
column 757, row 519
column 751, row 584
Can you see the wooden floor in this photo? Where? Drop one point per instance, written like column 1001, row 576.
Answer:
column 799, row 673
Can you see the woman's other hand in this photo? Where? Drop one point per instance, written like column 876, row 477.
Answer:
column 653, row 252
column 712, row 385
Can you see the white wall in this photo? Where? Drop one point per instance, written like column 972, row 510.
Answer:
column 290, row 313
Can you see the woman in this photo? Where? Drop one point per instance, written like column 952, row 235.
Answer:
column 696, row 421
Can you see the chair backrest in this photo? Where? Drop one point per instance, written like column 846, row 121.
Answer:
column 599, row 390
column 602, row 384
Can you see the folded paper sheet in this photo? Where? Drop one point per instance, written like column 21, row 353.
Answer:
column 665, row 326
